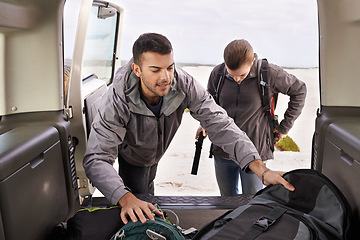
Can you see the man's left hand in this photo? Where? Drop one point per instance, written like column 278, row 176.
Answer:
column 268, row 176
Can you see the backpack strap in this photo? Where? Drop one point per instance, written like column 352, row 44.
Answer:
column 219, row 82
column 269, row 103
column 263, row 84
column 262, row 224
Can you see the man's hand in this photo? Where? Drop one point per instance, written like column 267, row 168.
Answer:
column 268, row 176
column 199, row 130
column 279, row 135
column 135, row 208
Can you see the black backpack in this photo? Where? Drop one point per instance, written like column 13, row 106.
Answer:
column 268, row 103
column 315, row 210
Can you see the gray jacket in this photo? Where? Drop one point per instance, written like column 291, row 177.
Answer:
column 242, row 101
column 125, row 126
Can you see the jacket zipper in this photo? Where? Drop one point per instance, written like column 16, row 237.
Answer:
column 159, row 131
column 237, row 101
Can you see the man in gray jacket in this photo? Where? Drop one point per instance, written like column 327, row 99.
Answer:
column 139, row 116
column 239, row 94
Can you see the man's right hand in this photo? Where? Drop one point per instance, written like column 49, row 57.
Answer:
column 199, row 130
column 135, row 208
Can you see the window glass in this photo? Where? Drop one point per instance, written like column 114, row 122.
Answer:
column 100, row 46
column 99, row 49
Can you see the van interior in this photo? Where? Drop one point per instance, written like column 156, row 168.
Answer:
column 53, row 71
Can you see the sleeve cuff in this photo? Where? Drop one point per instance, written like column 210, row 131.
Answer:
column 117, row 194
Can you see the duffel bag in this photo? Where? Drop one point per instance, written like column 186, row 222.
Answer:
column 317, row 209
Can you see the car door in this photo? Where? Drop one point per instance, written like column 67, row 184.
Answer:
column 92, row 32
column 55, row 63
column 336, row 142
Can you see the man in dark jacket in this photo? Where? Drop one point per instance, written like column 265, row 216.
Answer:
column 139, row 116
column 239, row 95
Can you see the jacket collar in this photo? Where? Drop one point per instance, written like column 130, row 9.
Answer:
column 127, row 84
column 253, row 71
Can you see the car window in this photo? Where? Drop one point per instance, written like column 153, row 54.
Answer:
column 99, row 49
column 100, row 46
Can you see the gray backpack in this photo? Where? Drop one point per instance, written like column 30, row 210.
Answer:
column 315, row 210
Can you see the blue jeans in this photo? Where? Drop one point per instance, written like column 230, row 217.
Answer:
column 228, row 174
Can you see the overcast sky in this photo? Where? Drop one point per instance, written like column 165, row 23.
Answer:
column 283, row 31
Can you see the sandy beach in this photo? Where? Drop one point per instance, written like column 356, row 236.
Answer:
column 174, row 170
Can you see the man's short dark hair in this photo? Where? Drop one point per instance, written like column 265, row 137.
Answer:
column 237, row 53
column 150, row 42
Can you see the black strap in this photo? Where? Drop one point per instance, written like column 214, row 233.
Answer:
column 268, row 102
column 262, row 224
column 263, row 85
column 219, row 81
column 198, row 147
